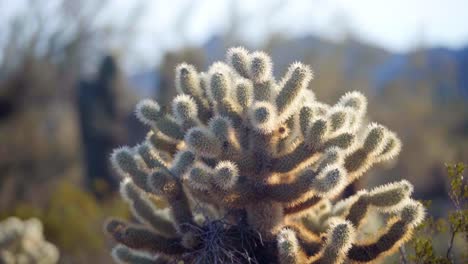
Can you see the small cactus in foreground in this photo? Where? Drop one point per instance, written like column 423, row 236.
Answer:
column 252, row 170
column 23, row 242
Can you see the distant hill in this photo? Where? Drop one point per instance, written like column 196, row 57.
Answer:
column 357, row 61
column 448, row 68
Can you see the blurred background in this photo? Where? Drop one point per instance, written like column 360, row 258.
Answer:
column 71, row 72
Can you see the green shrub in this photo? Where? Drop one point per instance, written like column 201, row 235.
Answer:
column 426, row 246
column 72, row 219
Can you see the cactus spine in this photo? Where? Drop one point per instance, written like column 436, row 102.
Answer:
column 252, row 170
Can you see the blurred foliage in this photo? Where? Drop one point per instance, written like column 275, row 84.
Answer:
column 427, row 247
column 73, row 219
column 41, row 164
column 427, row 126
column 39, row 142
column 103, row 105
column 23, row 242
column 45, row 48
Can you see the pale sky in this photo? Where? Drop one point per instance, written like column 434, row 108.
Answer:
column 396, row 25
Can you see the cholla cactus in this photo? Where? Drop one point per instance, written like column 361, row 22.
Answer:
column 22, row 242
column 252, row 170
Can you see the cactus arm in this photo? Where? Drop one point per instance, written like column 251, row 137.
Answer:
column 398, row 231
column 239, row 59
column 145, row 211
column 218, row 187
column 140, row 238
column 188, row 82
column 149, row 112
column 386, row 198
column 298, row 208
column 185, row 110
column 123, row 254
column 327, row 182
column 123, row 160
column 339, row 239
column 170, row 187
column 222, row 128
column 310, row 243
column 228, row 108
column 292, row 85
column 150, row 156
column 289, row 248
column 290, row 161
column 342, row 141
column 162, row 143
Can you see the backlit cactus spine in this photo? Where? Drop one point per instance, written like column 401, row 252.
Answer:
column 252, row 170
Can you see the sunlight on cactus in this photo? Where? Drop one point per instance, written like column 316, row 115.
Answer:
column 253, row 168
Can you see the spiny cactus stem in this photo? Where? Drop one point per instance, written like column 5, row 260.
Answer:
column 128, row 255
column 297, row 208
column 145, row 211
column 289, row 248
column 357, row 163
column 242, row 193
column 390, row 239
column 339, row 239
column 309, row 244
column 203, row 196
column 161, row 143
column 386, row 198
column 142, row 239
column 343, row 141
column 171, row 188
column 227, row 108
column 289, row 192
column 239, row 59
column 261, row 153
column 204, row 112
column 267, row 226
column 169, row 127
column 291, row 160
column 181, row 211
column 263, row 91
column 358, row 211
column 150, row 156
